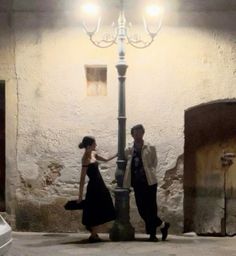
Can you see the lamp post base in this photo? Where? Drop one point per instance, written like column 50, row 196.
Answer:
column 122, row 229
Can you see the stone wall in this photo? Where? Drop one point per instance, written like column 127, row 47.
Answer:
column 43, row 57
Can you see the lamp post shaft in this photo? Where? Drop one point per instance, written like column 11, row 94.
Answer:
column 121, row 69
column 122, row 229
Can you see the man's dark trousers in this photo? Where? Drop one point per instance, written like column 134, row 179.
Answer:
column 145, row 197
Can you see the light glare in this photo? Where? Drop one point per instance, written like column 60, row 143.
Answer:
column 153, row 10
column 90, row 9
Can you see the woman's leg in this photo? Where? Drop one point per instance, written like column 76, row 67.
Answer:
column 94, row 238
column 94, row 231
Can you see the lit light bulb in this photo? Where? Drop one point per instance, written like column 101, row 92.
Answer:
column 154, row 10
column 90, row 9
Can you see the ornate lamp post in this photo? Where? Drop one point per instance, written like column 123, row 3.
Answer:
column 122, row 229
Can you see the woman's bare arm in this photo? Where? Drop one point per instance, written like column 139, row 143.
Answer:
column 101, row 158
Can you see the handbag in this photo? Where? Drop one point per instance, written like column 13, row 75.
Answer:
column 74, row 205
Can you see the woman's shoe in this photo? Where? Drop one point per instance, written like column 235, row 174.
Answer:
column 94, row 239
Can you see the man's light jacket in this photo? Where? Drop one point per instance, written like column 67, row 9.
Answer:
column 149, row 158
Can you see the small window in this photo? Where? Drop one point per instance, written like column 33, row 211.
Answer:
column 96, row 77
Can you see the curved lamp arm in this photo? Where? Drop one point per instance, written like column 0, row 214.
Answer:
column 140, row 44
column 103, row 43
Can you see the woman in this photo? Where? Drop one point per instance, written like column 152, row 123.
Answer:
column 98, row 206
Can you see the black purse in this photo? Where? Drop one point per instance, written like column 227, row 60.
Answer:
column 74, row 205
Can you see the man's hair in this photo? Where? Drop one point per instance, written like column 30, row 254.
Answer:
column 137, row 127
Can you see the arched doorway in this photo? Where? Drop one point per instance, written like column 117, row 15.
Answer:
column 2, row 146
column 209, row 169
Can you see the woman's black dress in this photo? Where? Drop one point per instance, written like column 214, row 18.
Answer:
column 98, row 207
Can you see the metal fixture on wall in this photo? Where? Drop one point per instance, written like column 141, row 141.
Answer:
column 121, row 34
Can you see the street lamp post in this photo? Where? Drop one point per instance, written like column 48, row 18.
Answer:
column 122, row 229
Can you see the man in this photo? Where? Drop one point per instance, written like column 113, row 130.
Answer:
column 141, row 175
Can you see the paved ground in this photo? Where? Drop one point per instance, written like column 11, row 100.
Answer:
column 51, row 244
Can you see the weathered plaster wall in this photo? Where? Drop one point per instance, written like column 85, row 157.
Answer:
column 56, row 114
column 8, row 75
column 191, row 62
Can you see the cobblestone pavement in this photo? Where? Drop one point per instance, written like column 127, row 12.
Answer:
column 51, row 244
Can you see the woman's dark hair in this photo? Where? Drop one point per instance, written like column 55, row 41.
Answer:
column 87, row 141
column 137, row 127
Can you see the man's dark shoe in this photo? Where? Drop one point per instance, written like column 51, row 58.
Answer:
column 164, row 231
column 152, row 238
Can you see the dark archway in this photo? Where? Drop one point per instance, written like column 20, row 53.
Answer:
column 210, row 188
column 2, row 146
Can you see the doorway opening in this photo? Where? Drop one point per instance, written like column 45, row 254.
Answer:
column 2, row 146
column 209, row 177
